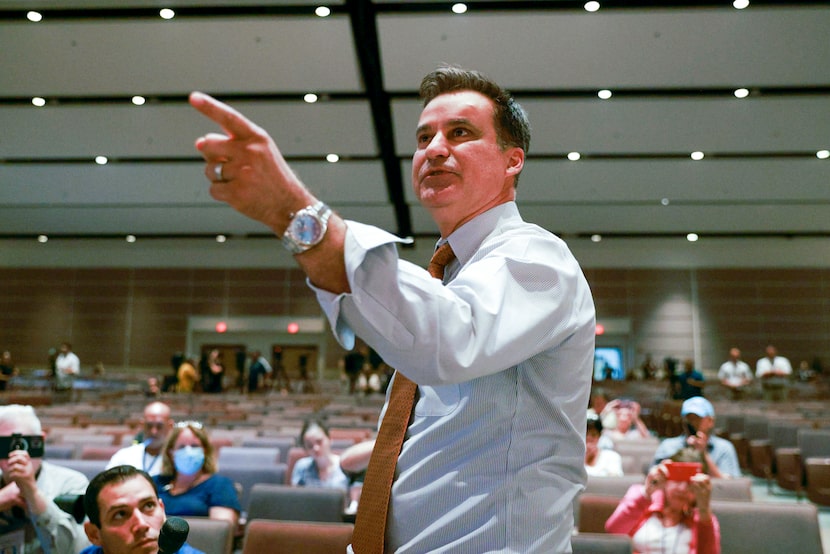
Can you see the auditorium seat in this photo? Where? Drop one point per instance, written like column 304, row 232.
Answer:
column 768, row 527
column 247, row 456
column 211, row 536
column 284, row 502
column 594, row 511
column 247, row 476
column 601, row 543
column 90, row 468
column 293, row 537
column 818, row 480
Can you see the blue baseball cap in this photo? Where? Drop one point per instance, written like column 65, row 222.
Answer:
column 699, row 406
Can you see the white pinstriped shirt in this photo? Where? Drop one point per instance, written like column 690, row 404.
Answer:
column 503, row 356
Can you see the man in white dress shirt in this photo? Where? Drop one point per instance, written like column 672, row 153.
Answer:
column 146, row 455
column 502, row 351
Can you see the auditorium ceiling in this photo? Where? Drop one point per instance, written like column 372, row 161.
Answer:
column 747, row 91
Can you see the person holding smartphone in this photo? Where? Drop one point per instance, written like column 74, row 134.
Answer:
column 668, row 513
column 698, row 443
column 30, row 521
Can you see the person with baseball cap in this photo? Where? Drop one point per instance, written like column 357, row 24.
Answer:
column 698, row 443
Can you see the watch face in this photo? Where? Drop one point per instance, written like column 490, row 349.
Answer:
column 306, row 229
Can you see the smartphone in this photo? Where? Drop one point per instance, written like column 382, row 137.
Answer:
column 33, row 444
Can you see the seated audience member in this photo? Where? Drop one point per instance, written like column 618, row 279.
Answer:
column 690, row 383
column 629, row 423
column 125, row 513
column 29, row 487
column 698, row 443
column 322, row 467
column 735, row 374
column 668, row 516
column 146, row 455
column 601, row 406
column 188, row 484
column 600, row 462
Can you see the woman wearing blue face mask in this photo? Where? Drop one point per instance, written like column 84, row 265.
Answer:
column 188, row 483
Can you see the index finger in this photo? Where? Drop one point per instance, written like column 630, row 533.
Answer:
column 232, row 122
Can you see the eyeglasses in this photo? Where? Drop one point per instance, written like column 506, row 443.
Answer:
column 189, row 423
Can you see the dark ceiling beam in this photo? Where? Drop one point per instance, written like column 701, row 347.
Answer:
column 365, row 34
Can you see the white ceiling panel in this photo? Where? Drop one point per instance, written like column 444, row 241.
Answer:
column 620, row 48
column 153, row 56
column 672, row 70
column 749, row 181
column 169, row 130
column 120, row 185
column 659, row 126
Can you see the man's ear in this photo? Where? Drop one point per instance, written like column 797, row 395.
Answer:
column 515, row 161
column 92, row 533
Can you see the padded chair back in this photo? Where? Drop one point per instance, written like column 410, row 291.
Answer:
column 294, row 454
column 96, row 452
column 59, row 451
column 739, row 488
column 248, row 476
column 284, row 502
column 594, row 511
column 211, row 536
column 601, row 543
column 232, row 456
column 293, row 537
column 814, row 443
column 768, row 527
column 90, row 468
column 818, row 480
column 281, row 443
column 611, row 486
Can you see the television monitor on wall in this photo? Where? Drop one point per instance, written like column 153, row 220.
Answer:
column 609, row 363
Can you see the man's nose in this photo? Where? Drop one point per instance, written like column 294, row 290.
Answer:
column 437, row 147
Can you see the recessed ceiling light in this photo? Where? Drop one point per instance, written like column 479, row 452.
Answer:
column 605, row 94
column 692, row 237
column 332, row 158
column 591, row 6
column 221, row 238
column 38, row 101
column 574, row 156
column 138, row 100
column 697, row 156
column 322, row 11
column 167, row 13
column 34, row 16
column 101, row 160
column 740, row 4
column 459, row 8
column 311, row 98
column 42, row 239
column 596, row 238
column 665, row 201
column 741, row 93
column 130, row 238
column 823, row 154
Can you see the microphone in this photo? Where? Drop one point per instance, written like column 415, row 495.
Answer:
column 172, row 535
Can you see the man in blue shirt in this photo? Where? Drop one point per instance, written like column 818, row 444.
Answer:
column 125, row 513
column 717, row 455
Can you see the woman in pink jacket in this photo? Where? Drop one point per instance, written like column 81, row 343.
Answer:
column 668, row 516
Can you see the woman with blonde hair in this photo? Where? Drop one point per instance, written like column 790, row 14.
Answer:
column 189, row 483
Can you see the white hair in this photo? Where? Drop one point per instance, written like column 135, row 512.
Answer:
column 21, row 416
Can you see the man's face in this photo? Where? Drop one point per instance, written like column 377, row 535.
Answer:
column 131, row 518
column 458, row 169
column 157, row 425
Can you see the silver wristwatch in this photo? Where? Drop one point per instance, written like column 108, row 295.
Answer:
column 307, row 228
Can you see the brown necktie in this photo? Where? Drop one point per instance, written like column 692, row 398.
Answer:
column 370, row 525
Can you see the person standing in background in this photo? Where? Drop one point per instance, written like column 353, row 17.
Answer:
column 67, row 367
